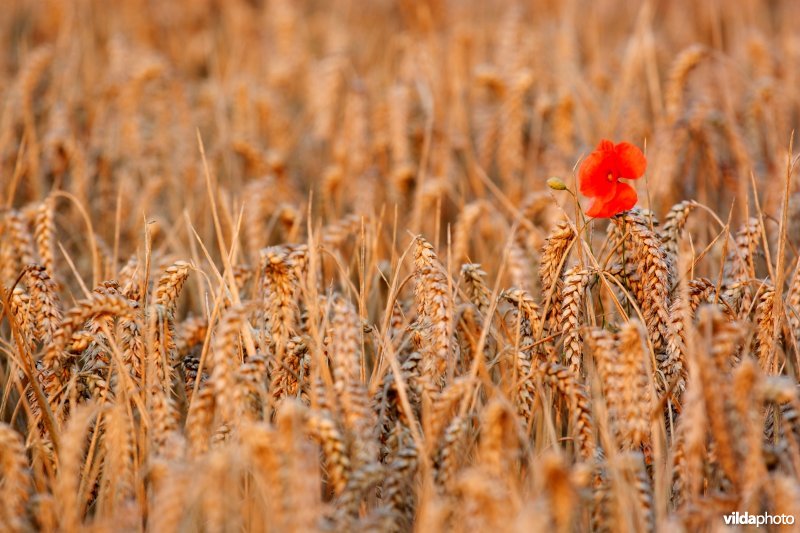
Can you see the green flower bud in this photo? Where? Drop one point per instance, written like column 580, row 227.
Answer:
column 557, row 184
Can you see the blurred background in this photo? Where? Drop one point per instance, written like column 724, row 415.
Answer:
column 369, row 179
column 405, row 109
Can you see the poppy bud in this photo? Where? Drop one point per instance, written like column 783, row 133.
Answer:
column 557, row 184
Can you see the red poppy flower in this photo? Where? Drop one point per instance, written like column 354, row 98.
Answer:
column 600, row 174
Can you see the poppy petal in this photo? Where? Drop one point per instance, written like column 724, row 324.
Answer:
column 624, row 199
column 631, row 162
column 605, row 146
column 593, row 175
column 602, row 209
column 598, row 209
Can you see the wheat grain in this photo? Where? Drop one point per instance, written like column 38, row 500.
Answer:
column 428, row 338
column 551, row 267
column 576, row 281
column 16, row 479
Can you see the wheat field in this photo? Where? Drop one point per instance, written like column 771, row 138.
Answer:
column 294, row 265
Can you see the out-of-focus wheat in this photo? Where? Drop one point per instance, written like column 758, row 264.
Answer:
column 292, row 265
